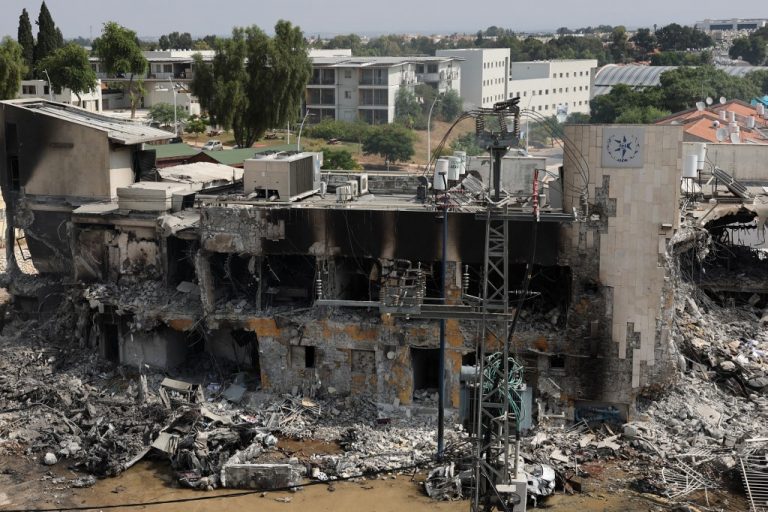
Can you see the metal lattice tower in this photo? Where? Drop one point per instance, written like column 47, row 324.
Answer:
column 495, row 422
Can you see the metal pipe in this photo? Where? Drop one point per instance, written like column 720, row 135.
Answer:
column 441, row 370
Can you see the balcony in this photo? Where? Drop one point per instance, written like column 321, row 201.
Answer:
column 324, row 81
column 375, row 81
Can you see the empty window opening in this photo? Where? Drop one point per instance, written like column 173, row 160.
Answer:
column 303, row 356
column 548, row 294
column 469, row 359
column 288, row 281
column 111, row 342
column 356, row 279
column 557, row 362
column 235, row 277
column 426, row 368
column 248, row 341
column 309, row 357
column 181, row 260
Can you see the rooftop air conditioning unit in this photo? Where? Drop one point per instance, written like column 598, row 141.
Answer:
column 288, row 176
column 343, row 194
column 361, row 183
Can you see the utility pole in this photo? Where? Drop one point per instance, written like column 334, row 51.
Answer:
column 50, row 85
column 429, row 134
column 175, row 122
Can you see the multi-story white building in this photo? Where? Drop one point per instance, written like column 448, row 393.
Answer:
column 485, row 74
column 709, row 25
column 365, row 88
column 90, row 100
column 552, row 87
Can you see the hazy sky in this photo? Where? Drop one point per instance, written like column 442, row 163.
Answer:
column 155, row 17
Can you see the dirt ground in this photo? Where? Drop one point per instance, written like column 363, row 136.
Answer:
column 27, row 484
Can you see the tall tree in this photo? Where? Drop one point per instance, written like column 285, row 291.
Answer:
column 407, row 108
column 120, row 53
column 49, row 38
column 12, row 68
column 644, row 41
column 619, row 44
column 254, row 82
column 391, row 141
column 752, row 49
column 27, row 42
column 69, row 68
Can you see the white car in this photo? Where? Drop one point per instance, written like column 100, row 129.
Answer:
column 213, row 145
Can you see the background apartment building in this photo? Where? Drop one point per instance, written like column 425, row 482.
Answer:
column 365, row 88
column 90, row 100
column 552, row 87
column 485, row 71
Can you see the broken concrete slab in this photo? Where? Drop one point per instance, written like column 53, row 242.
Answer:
column 262, row 477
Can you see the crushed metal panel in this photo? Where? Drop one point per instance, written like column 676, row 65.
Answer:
column 166, row 443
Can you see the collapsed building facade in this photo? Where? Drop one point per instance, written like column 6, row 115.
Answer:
column 331, row 282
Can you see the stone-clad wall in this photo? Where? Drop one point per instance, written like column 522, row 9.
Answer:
column 634, row 193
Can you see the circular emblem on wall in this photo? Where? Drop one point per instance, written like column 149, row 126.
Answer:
column 623, row 148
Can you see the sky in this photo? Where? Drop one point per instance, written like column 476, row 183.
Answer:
column 152, row 18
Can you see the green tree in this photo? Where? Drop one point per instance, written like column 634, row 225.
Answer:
column 254, row 82
column 120, row 54
column 607, row 108
column 391, row 141
column 27, row 42
column 408, row 110
column 751, row 49
column 674, row 37
column 195, row 125
column 578, row 118
column 682, row 87
column 645, row 42
column 336, row 159
column 12, row 68
column 759, row 79
column 49, row 38
column 69, row 68
column 451, row 106
column 163, row 114
column 175, row 41
column 641, row 115
column 467, row 142
column 619, row 45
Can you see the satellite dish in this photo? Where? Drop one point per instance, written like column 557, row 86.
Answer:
column 709, row 100
column 722, row 134
column 722, row 100
column 700, row 106
column 716, row 124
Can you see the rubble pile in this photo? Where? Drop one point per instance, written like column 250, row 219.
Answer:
column 147, row 300
column 725, row 345
column 60, row 403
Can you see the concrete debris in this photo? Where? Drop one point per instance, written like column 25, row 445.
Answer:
column 443, row 484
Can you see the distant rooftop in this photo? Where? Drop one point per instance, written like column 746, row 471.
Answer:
column 636, row 75
column 118, row 130
column 362, row 62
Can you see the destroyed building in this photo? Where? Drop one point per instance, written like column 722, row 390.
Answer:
column 331, row 282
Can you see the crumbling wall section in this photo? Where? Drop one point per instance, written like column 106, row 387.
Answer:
column 238, row 229
column 619, row 248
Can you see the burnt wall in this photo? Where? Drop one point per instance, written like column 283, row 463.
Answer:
column 411, row 235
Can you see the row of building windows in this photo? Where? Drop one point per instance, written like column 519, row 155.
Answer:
column 494, row 81
column 497, row 97
column 567, row 74
column 490, row 65
column 554, row 105
column 544, row 92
